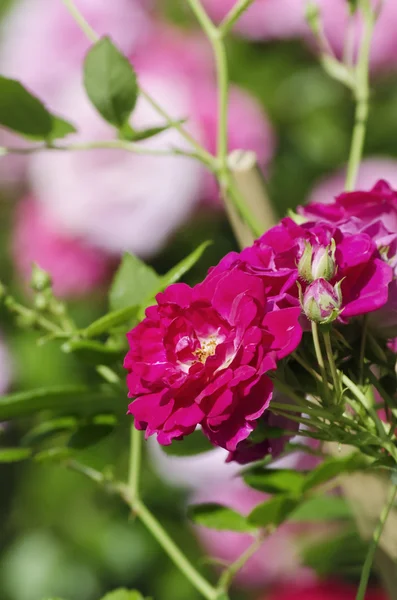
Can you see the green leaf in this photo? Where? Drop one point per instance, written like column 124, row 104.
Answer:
column 60, row 129
column 322, row 508
column 216, row 516
column 137, row 135
column 48, row 429
column 110, row 82
column 133, row 284
column 89, row 435
column 22, row 112
column 112, row 319
column 273, row 481
column 333, row 467
column 344, row 554
column 53, row 454
column 177, row 272
column 123, row 594
column 195, row 443
column 92, row 352
column 72, row 399
column 9, row 455
column 273, row 511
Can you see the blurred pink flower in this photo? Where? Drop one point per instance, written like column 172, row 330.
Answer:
column 326, row 590
column 75, row 268
column 115, row 199
column 42, row 45
column 279, row 557
column 273, row 19
column 265, row 18
column 122, row 201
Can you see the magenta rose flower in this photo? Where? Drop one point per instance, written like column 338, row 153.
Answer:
column 270, row 437
column 202, row 356
column 359, row 269
column 377, row 204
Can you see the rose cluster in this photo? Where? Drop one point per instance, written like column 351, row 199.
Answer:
column 207, row 355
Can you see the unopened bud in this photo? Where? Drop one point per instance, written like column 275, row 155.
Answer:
column 40, row 280
column 322, row 302
column 317, row 262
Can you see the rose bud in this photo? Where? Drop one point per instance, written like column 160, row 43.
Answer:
column 322, row 302
column 317, row 262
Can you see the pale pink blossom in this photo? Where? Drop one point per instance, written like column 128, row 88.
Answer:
column 273, row 19
column 115, row 199
column 75, row 268
column 42, row 45
column 264, row 19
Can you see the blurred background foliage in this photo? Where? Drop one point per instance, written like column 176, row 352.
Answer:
column 59, row 534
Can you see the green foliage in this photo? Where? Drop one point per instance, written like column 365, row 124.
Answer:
column 123, row 594
column 177, row 272
column 332, row 467
column 133, row 283
column 110, row 82
column 60, row 129
column 322, row 508
column 23, row 113
column 110, row 320
column 138, row 135
column 274, row 481
column 216, row 516
column 273, row 512
column 8, row 455
column 72, row 399
column 136, row 284
column 191, row 445
column 89, row 435
column 93, row 352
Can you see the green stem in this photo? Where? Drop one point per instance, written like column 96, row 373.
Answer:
column 320, row 360
column 135, row 464
column 179, row 559
column 331, row 362
column 228, row 574
column 225, row 178
column 362, row 97
column 36, row 318
column 233, row 16
column 81, row 21
column 366, row 571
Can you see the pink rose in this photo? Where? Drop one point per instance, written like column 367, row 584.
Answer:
column 75, row 268
column 364, row 276
column 202, row 354
column 376, row 204
column 373, row 213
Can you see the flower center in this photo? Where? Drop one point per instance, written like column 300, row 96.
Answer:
column 207, row 348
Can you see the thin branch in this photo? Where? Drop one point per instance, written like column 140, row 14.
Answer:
column 234, row 15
